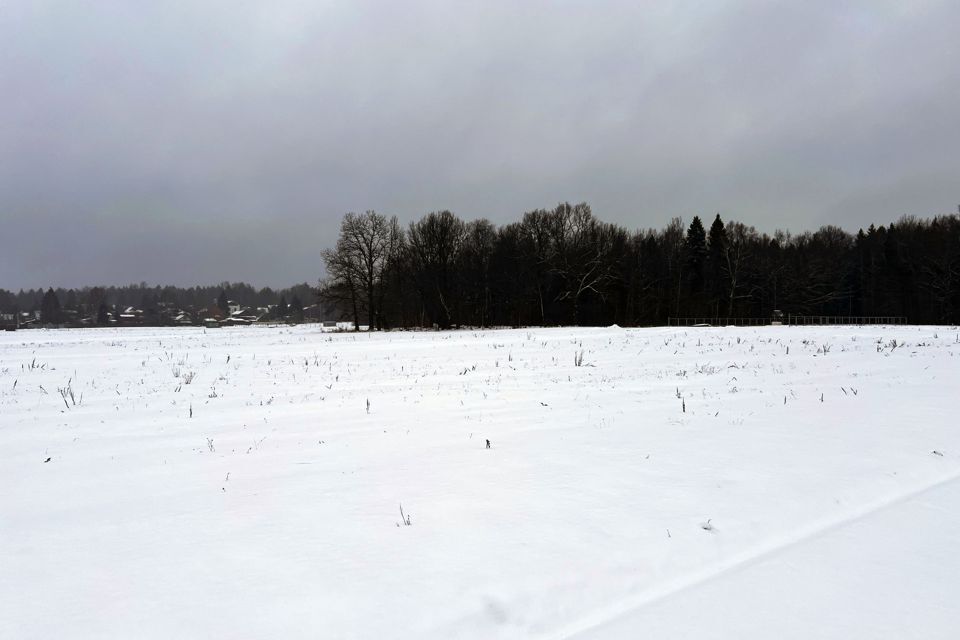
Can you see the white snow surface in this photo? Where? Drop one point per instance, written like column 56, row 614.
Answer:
column 772, row 482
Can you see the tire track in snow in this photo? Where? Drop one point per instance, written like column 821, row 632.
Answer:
column 739, row 561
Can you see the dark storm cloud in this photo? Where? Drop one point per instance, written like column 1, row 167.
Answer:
column 186, row 142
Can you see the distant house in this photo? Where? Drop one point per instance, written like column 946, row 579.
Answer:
column 265, row 315
column 235, row 321
column 246, row 316
column 130, row 317
column 213, row 312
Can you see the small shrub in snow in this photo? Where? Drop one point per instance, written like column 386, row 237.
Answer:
column 405, row 519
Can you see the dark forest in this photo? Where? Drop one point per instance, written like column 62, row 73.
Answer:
column 564, row 266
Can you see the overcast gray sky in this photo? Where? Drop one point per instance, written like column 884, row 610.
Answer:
column 199, row 141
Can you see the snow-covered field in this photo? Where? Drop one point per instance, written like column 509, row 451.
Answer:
column 775, row 482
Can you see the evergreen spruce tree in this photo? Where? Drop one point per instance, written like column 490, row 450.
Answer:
column 716, row 249
column 296, row 309
column 50, row 308
column 223, row 303
column 695, row 254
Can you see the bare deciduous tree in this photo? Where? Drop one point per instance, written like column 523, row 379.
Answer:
column 366, row 248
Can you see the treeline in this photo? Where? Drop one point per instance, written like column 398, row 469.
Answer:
column 564, row 266
column 92, row 301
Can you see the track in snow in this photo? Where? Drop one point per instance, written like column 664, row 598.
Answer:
column 757, row 594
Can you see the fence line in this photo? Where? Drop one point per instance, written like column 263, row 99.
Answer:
column 789, row 319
